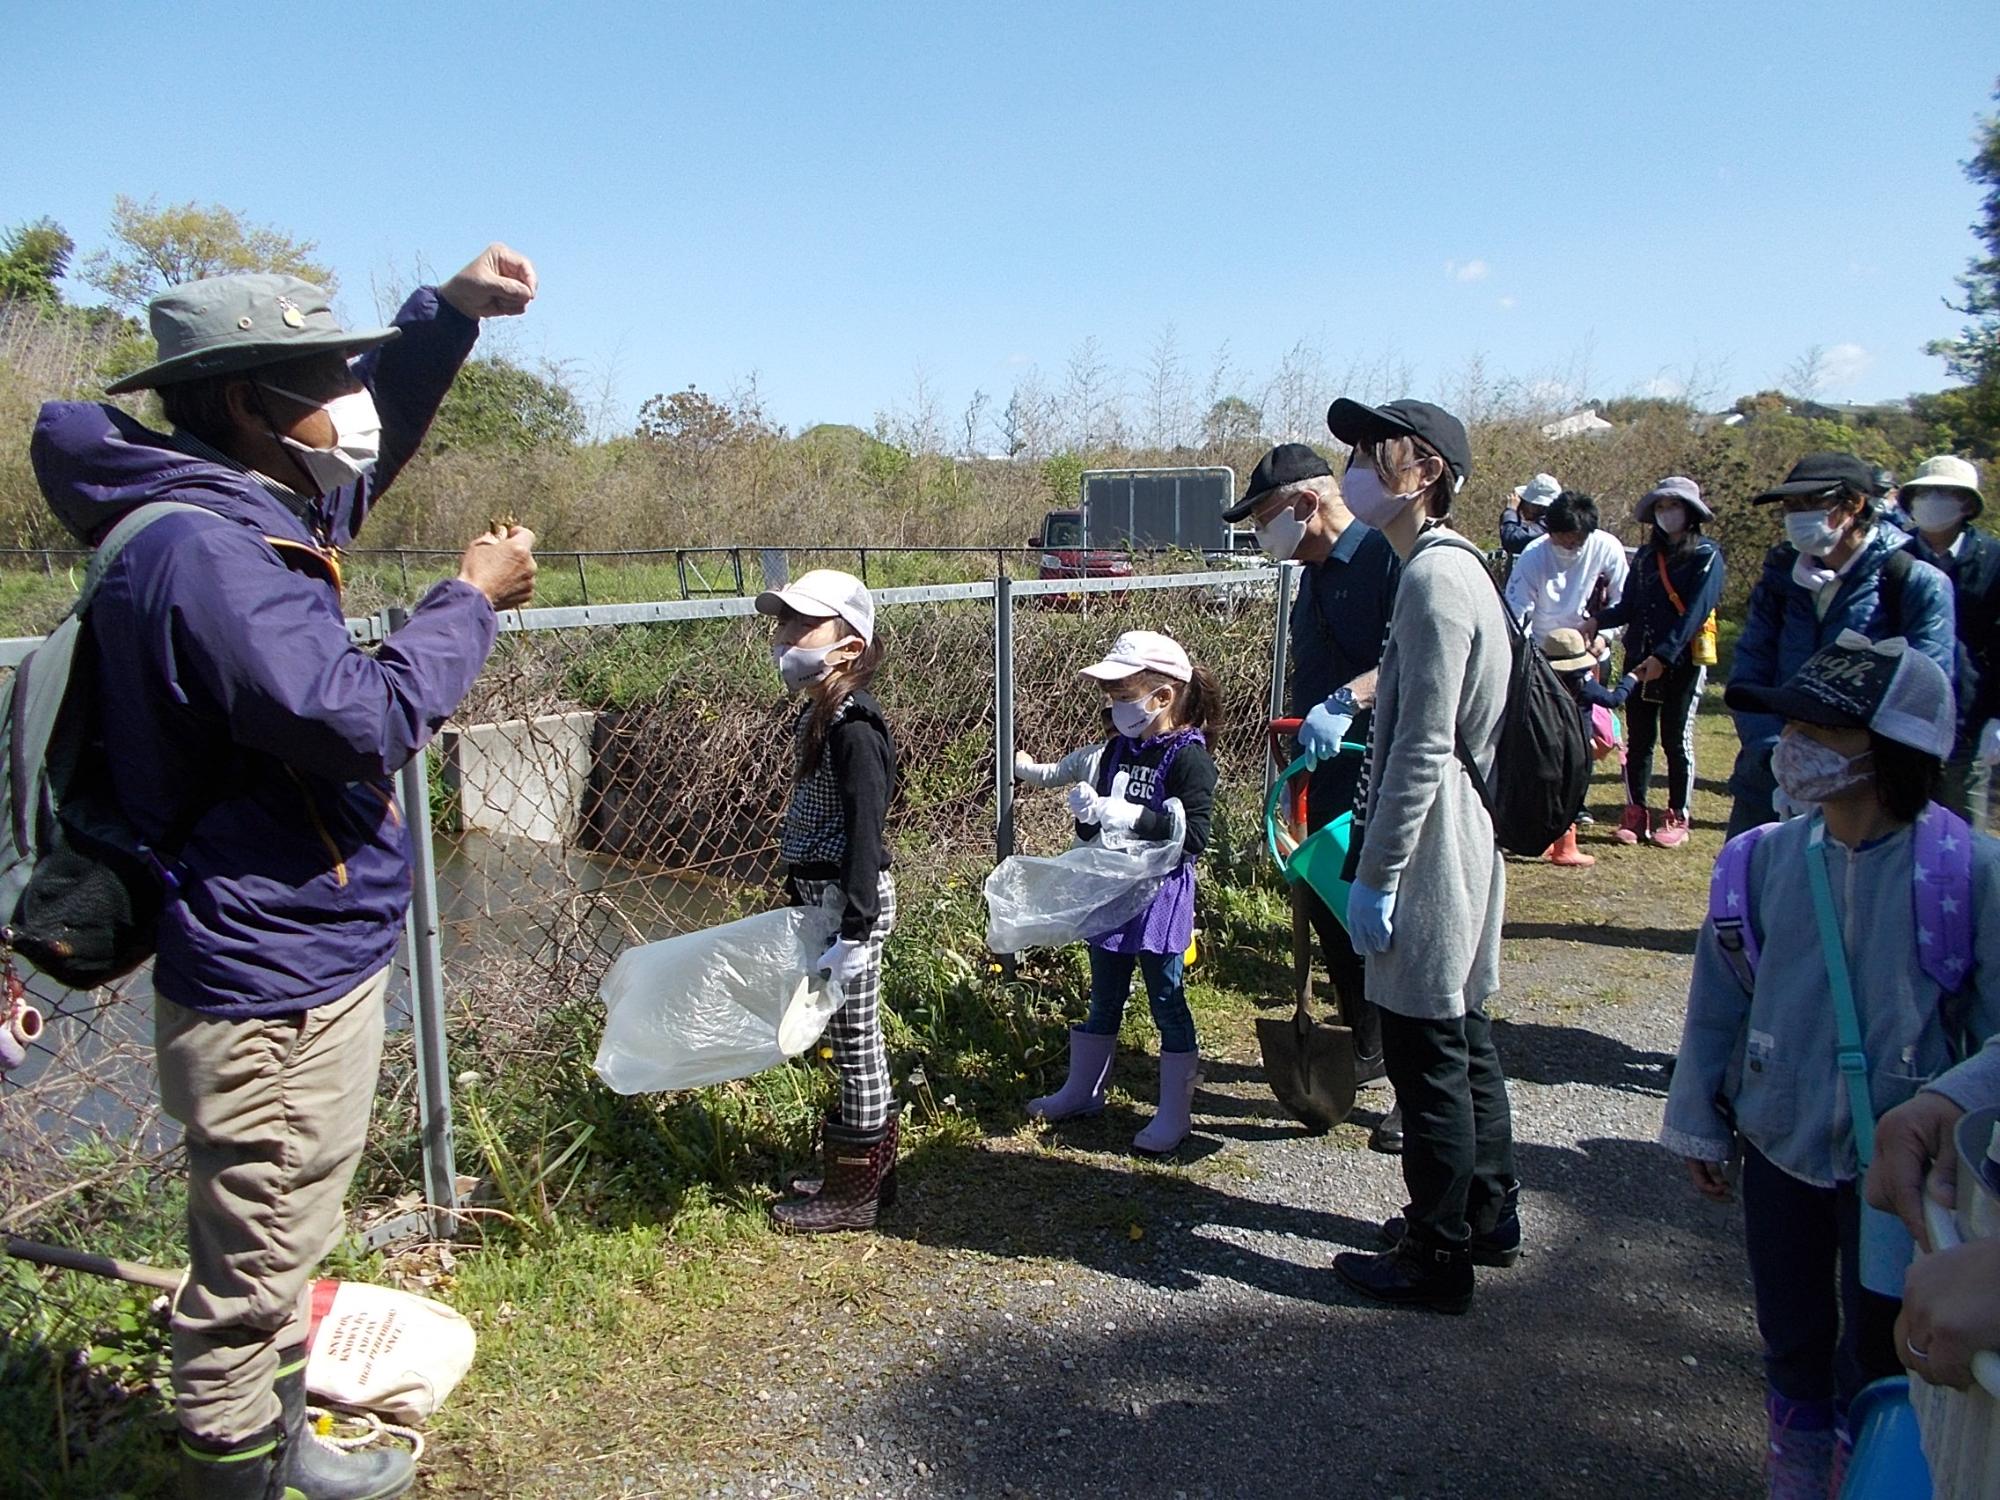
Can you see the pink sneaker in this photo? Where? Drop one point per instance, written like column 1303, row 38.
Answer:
column 1632, row 827
column 1672, row 831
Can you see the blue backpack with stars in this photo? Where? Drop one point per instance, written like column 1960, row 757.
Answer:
column 1941, row 891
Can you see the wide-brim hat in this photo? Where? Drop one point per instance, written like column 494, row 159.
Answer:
column 1948, row 472
column 1567, row 650
column 225, row 324
column 1887, row 687
column 1286, row 464
column 1822, row 474
column 1355, row 424
column 1673, row 487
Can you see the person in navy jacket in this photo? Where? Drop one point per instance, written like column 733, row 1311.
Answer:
column 252, row 744
column 1943, row 499
column 1839, row 568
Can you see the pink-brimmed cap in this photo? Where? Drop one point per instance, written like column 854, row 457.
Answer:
column 1143, row 651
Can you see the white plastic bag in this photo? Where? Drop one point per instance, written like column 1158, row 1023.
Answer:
column 1039, row 901
column 722, row 1003
column 373, row 1348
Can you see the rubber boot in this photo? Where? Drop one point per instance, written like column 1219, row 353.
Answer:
column 1179, row 1072
column 1801, row 1448
column 1564, row 851
column 1671, row 831
column 806, row 1187
column 1082, row 1092
column 1417, row 1273
column 1365, row 1021
column 315, row 1470
column 1635, row 825
column 850, row 1194
column 249, row 1470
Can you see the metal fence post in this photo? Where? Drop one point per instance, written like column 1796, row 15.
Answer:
column 426, row 959
column 1288, row 583
column 1003, row 716
column 582, row 579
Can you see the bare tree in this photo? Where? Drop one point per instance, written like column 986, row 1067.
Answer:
column 1805, row 377
column 974, row 419
column 1091, row 400
column 1028, row 425
column 1295, row 401
column 1167, row 397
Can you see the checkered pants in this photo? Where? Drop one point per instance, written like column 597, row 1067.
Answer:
column 855, row 1032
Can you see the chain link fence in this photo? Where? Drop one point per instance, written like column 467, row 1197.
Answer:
column 616, row 775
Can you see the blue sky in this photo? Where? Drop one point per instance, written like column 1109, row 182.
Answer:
column 837, row 196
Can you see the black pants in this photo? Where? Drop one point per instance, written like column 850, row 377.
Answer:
column 1458, row 1132
column 1330, row 793
column 1668, row 720
column 1825, row 1335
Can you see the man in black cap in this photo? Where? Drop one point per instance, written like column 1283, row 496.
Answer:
column 1838, row 569
column 1340, row 619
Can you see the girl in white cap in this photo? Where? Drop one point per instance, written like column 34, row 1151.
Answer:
column 1153, row 779
column 825, row 648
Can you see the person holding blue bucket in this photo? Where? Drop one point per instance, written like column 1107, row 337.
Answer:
column 1847, row 957
column 1347, row 589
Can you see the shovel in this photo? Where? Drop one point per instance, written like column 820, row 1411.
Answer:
column 1308, row 1064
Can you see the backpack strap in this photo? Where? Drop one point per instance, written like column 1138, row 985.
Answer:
column 1517, row 638
column 119, row 537
column 1895, row 573
column 1942, row 892
column 1730, row 910
column 1851, row 1056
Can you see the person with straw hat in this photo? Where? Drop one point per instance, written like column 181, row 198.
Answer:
column 253, row 746
column 1943, row 501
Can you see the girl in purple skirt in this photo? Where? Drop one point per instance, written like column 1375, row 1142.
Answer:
column 1152, row 780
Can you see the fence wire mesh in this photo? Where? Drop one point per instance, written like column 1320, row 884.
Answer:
column 603, row 784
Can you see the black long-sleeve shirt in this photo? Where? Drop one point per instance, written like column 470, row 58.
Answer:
column 835, row 822
column 1191, row 779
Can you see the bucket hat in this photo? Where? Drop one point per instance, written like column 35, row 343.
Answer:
column 224, row 324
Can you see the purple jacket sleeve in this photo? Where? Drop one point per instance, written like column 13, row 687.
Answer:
column 261, row 644
column 409, row 377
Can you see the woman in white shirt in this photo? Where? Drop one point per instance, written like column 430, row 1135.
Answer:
column 1562, row 578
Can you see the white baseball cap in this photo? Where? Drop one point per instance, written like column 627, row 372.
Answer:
column 823, row 594
column 1541, row 490
column 1143, row 651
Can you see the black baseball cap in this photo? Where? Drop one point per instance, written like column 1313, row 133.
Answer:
column 1888, row 687
column 1822, row 474
column 1885, row 481
column 1355, row 425
column 1285, row 464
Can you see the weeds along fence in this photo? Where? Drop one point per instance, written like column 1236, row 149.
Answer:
column 615, row 776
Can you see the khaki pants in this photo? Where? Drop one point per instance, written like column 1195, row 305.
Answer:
column 276, row 1112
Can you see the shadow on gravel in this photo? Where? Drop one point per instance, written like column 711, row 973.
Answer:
column 1535, row 1052
column 1604, row 1366
column 1652, row 939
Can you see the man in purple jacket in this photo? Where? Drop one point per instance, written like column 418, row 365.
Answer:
column 253, row 745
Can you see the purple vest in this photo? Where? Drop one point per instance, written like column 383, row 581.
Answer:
column 1167, row 925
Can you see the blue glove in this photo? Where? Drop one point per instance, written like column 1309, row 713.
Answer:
column 1325, row 727
column 1369, row 914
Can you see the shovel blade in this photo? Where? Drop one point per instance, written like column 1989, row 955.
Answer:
column 1310, row 1069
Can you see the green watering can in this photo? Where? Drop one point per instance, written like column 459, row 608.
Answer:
column 1316, row 859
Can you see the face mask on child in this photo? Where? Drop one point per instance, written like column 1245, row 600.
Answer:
column 800, row 666
column 1132, row 718
column 1812, row 772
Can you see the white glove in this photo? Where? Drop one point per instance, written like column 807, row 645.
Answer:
column 845, row 962
column 1989, row 743
column 1083, row 804
column 1116, row 815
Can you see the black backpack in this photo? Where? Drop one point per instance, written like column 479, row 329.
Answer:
column 1541, row 771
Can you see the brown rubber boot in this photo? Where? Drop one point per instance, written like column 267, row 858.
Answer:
column 808, row 1187
column 858, row 1162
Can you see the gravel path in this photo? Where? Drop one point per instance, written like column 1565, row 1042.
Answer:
column 1077, row 1324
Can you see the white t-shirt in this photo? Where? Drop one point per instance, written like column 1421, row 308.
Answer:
column 1544, row 595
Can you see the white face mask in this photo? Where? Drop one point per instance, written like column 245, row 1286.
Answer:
column 801, row 666
column 1672, row 519
column 1132, row 718
column 1807, row 530
column 1369, row 499
column 1280, row 536
column 1812, row 772
column 1569, row 557
column 357, row 439
column 1936, row 512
